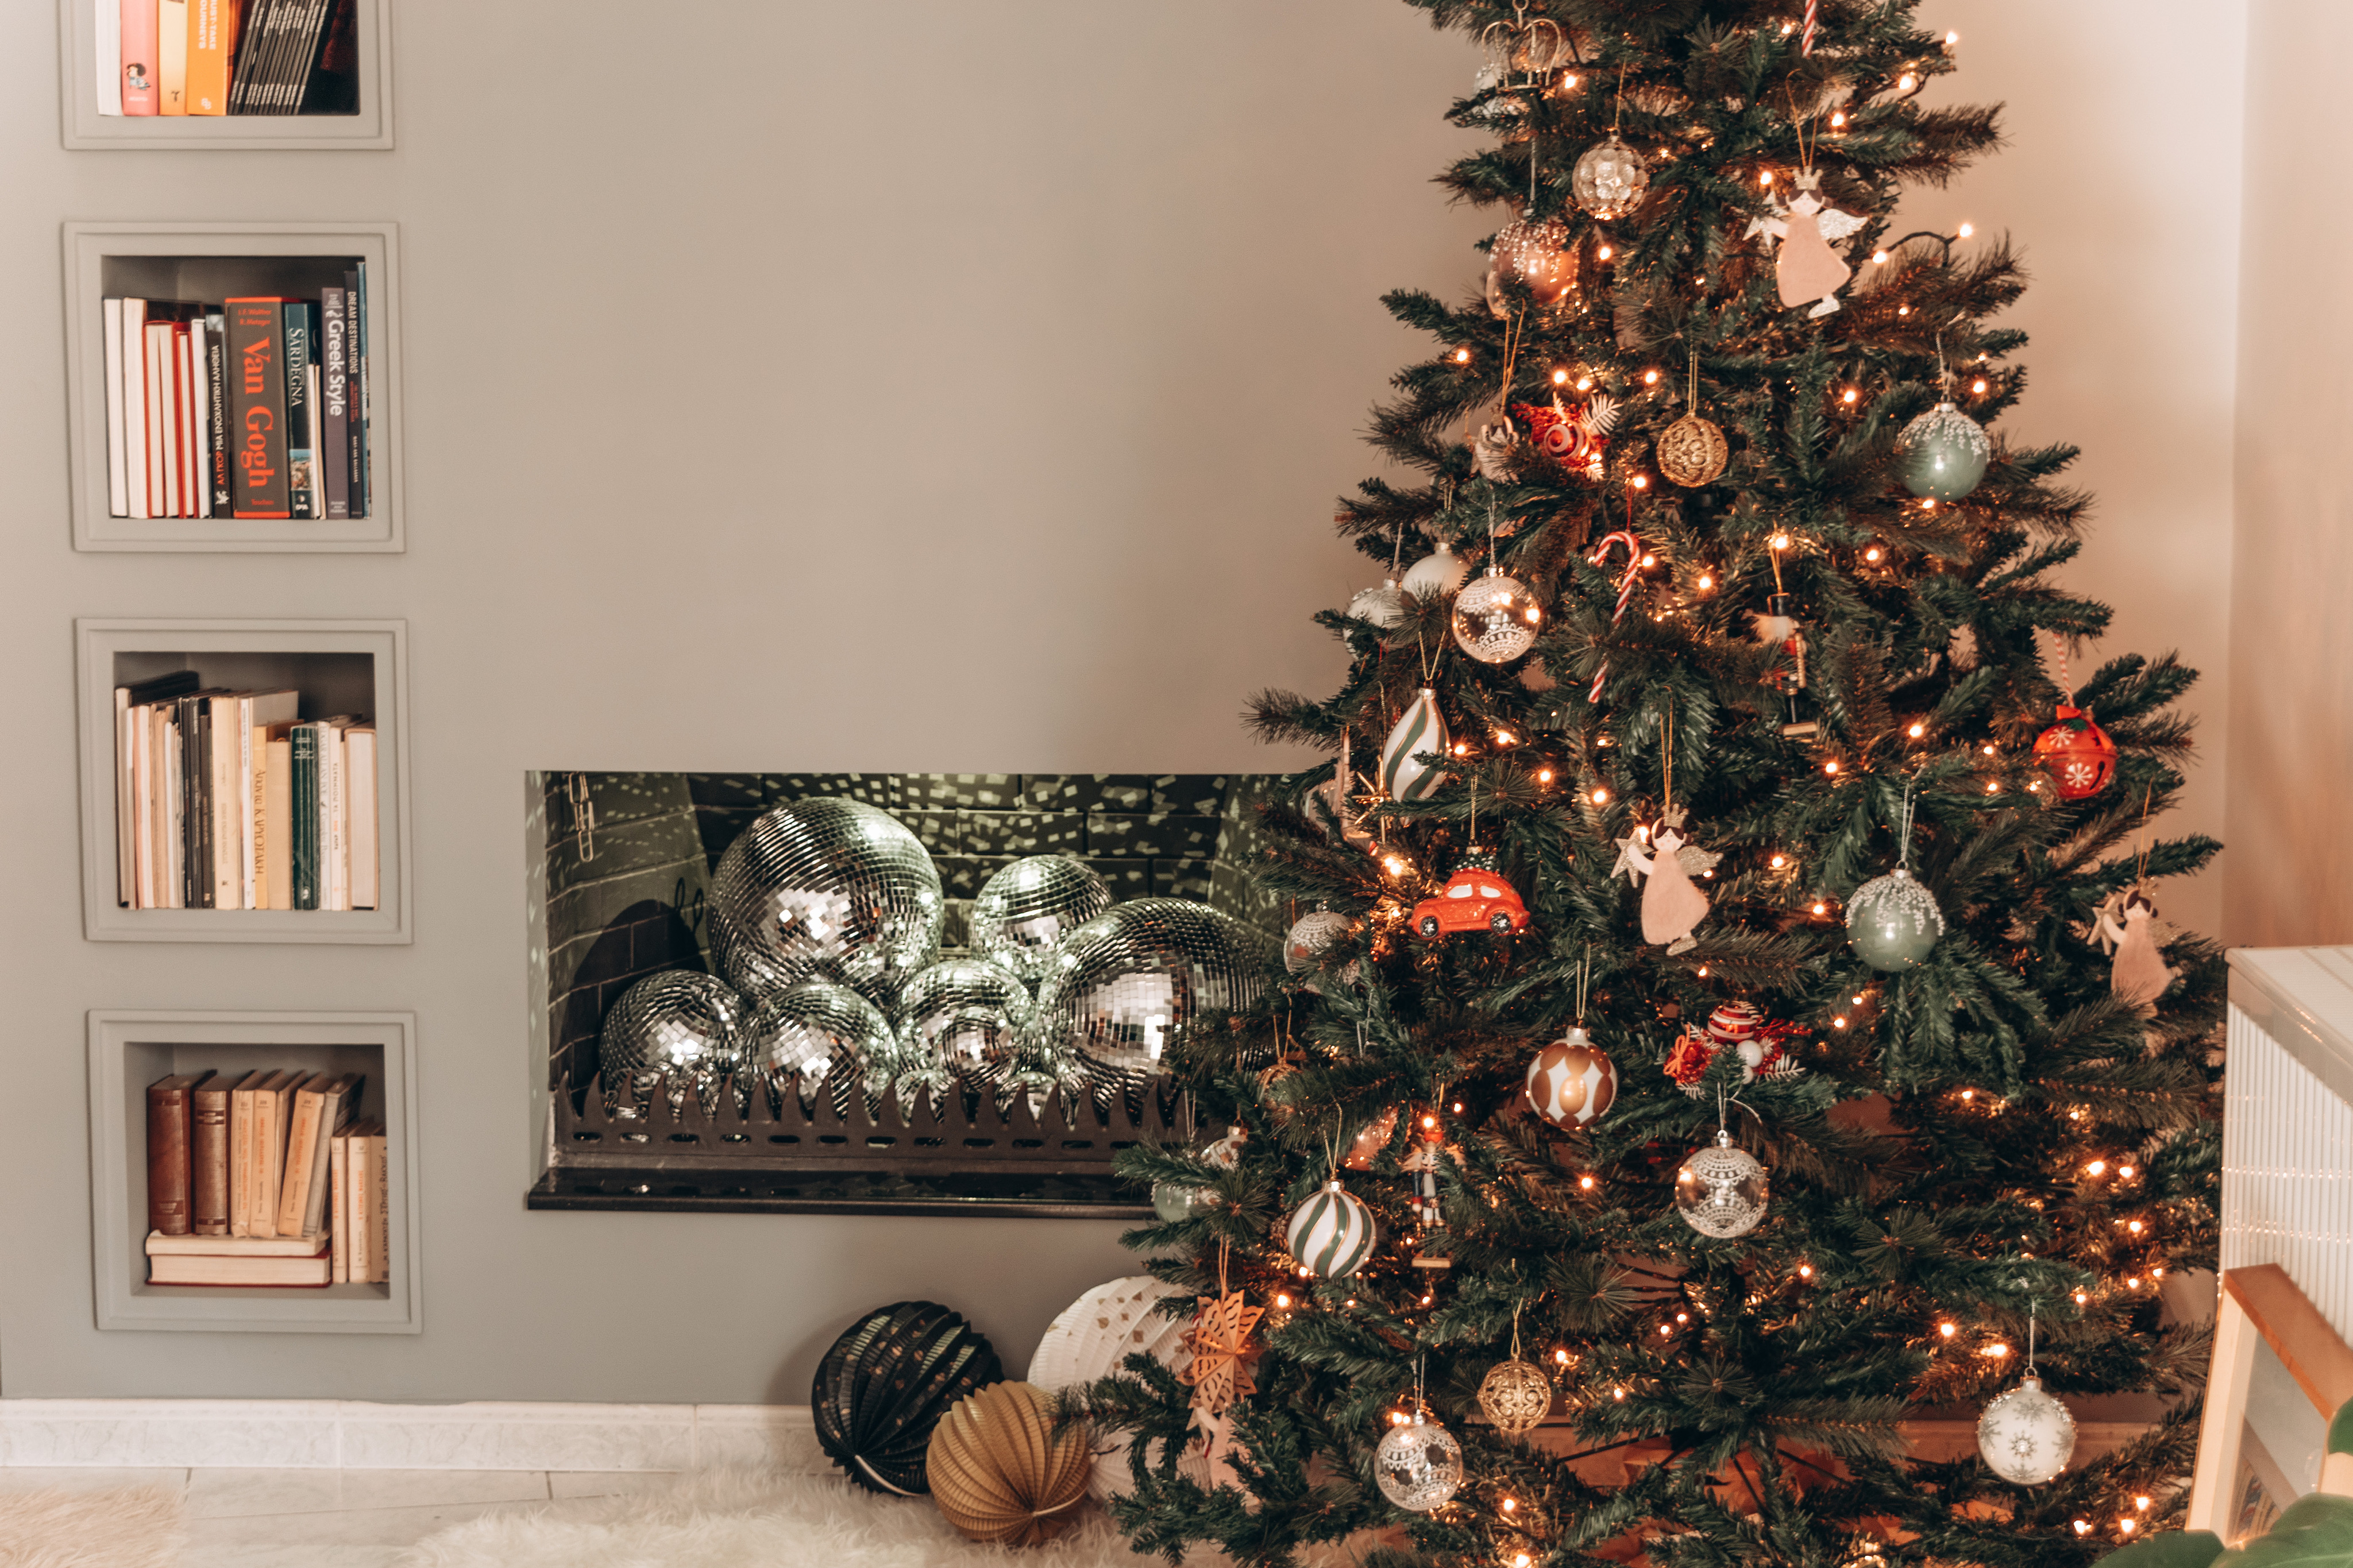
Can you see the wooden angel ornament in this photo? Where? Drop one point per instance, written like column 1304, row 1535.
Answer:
column 1672, row 905
column 2126, row 926
column 1807, row 267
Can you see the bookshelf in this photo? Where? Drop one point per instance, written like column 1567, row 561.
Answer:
column 211, row 262
column 340, row 666
column 129, row 1051
column 86, row 130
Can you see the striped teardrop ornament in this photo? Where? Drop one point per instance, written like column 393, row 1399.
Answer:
column 1331, row 1234
column 1421, row 730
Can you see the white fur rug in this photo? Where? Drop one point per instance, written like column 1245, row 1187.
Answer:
column 734, row 1518
column 138, row 1527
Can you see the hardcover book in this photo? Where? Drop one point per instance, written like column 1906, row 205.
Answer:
column 212, row 43
column 334, row 366
column 208, row 1157
column 302, row 810
column 258, row 406
column 300, row 481
column 216, row 374
column 172, row 57
column 139, row 67
column 170, row 1159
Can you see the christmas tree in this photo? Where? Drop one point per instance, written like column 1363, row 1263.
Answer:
column 1727, row 985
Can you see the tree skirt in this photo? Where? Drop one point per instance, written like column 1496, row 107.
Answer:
column 138, row 1527
column 734, row 1518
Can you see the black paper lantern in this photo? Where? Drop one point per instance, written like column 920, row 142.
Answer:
column 885, row 1385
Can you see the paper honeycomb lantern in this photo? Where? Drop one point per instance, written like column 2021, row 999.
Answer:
column 1001, row 1473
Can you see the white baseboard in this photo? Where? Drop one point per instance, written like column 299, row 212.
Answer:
column 324, row 1434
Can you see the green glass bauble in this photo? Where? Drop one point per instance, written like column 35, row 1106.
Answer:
column 1944, row 453
column 1173, row 1202
column 1892, row 921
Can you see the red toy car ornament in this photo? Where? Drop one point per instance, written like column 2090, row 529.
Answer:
column 1475, row 898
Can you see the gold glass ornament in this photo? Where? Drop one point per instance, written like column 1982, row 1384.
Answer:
column 1692, row 451
column 1515, row 1395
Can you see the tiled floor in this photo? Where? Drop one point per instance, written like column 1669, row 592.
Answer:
column 338, row 1518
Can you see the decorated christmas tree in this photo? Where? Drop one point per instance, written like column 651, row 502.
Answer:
column 1728, row 1030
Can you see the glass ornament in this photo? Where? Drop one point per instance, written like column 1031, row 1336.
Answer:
column 1536, row 256
column 1515, row 1395
column 1496, row 618
column 2079, row 756
column 670, row 1032
column 1121, row 984
column 1721, row 1191
column 1174, row 1201
column 1892, row 921
column 1571, row 1082
column 1384, row 605
column 1025, row 908
column 961, row 1012
column 1419, row 732
column 816, row 1031
column 1692, row 451
column 2026, row 1436
column 826, row 889
column 1944, row 453
column 1331, row 1234
column 1316, row 931
column 1610, row 179
column 1437, row 575
column 1419, row 1465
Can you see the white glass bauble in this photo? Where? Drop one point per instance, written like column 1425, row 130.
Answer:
column 1437, row 575
column 2026, row 1436
column 1721, row 1191
column 1892, row 921
column 1419, row 1464
column 1316, row 931
column 1610, row 179
column 1496, row 618
column 1384, row 605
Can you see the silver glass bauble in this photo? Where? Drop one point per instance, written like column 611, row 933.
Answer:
column 826, row 889
column 1944, row 453
column 1419, row 1465
column 818, row 1030
column 1892, row 921
column 1721, row 1191
column 673, row 1032
column 1121, row 984
column 1173, row 1201
column 2026, row 1436
column 962, row 1011
column 1496, row 618
column 1384, row 605
column 1310, row 935
column 1610, row 179
column 1025, row 908
column 1437, row 575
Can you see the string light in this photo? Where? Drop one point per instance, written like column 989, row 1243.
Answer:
column 1821, row 907
column 1805, row 1271
column 1837, row 119
column 1978, row 386
column 1543, row 775
column 1948, row 1329
column 1778, row 861
column 1560, row 1358
column 1830, row 766
column 2126, row 1172
column 1560, row 378
column 1765, row 177
column 1780, row 542
column 1586, row 1183
column 1996, row 1350
column 1849, row 396
column 1650, row 378
column 1966, row 230
column 1900, row 309
column 1601, row 796
column 2128, row 1524
column 1602, row 253
column 1462, row 356
column 1874, row 553
column 2097, row 1167
column 1707, row 581
column 1839, row 1022
column 2082, row 1527
column 1642, row 482
column 1584, row 383
column 1879, row 258
column 1917, row 731
column 1281, row 1300
column 1907, row 82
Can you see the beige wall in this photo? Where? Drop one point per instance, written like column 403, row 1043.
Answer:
column 2291, row 876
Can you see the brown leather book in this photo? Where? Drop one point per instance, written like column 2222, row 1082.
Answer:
column 208, row 1156
column 168, row 1168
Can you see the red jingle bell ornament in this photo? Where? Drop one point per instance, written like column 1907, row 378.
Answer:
column 2077, row 754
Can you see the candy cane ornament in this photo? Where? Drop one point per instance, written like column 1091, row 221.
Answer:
column 1813, row 25
column 1625, row 593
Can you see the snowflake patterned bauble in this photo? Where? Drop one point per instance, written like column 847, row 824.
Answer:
column 1610, row 179
column 1944, row 452
column 1496, row 618
column 1892, row 921
column 1515, row 1395
column 1571, row 1083
column 1419, row 1464
column 1437, row 575
column 1721, row 1191
column 2026, row 1436
column 2077, row 754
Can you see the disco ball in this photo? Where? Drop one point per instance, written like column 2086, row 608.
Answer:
column 1123, row 982
column 817, row 1031
column 826, row 890
column 671, row 1032
column 961, row 1012
column 1023, row 910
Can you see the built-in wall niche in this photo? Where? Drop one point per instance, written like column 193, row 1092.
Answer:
column 353, row 669
column 129, row 1050
column 625, row 865
column 359, row 117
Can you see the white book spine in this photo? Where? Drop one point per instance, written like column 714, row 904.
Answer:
column 163, row 478
column 228, row 886
column 174, row 838
column 183, row 342
column 200, row 421
column 355, row 1186
column 125, row 803
column 143, row 800
column 108, row 56
column 316, row 433
column 360, row 772
column 118, row 499
column 335, row 849
column 134, row 407
column 249, row 802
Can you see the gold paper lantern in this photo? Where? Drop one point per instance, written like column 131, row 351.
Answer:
column 1000, row 1472
column 1692, row 451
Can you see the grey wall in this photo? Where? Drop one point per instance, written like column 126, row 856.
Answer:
column 936, row 386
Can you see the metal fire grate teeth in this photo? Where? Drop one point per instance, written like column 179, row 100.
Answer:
column 961, row 1153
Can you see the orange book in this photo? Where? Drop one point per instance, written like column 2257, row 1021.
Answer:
column 212, row 46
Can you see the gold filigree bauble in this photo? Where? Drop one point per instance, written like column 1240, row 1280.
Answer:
column 1514, row 1396
column 1692, row 451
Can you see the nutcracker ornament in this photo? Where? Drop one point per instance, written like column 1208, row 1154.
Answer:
column 1777, row 627
column 1429, row 1154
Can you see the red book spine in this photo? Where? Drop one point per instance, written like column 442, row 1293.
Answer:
column 256, row 379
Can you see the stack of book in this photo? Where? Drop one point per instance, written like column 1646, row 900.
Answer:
column 266, row 1180
column 255, row 408
column 228, row 800
column 227, row 57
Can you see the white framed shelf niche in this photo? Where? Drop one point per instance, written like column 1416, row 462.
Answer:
column 130, row 1049
column 212, row 262
column 360, row 668
column 85, row 129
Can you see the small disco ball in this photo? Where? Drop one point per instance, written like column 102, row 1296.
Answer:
column 2026, row 1436
column 1125, row 982
column 826, row 890
column 1515, row 1395
column 1892, row 921
column 1610, row 179
column 677, row 1030
column 1721, row 1191
column 1023, row 910
column 1496, row 618
column 818, row 1030
column 1419, row 1464
column 961, row 1012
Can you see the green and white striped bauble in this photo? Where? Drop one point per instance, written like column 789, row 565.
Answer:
column 1420, row 730
column 1332, row 1234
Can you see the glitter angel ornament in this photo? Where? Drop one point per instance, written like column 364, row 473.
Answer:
column 1807, row 269
column 2126, row 925
column 1672, row 905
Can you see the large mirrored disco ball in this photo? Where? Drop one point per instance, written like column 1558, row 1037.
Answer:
column 1025, row 908
column 826, row 889
column 671, row 1032
column 1125, row 982
column 961, row 1012
column 818, row 1031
